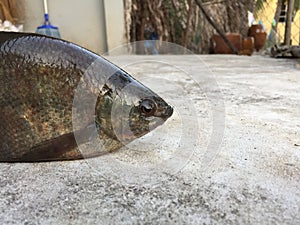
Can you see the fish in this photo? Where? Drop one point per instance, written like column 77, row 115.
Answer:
column 56, row 98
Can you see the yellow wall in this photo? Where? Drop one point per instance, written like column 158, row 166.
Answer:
column 266, row 16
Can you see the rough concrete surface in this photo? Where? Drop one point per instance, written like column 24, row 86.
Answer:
column 209, row 164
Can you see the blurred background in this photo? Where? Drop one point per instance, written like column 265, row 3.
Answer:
column 102, row 25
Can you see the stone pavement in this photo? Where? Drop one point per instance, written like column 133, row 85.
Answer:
column 229, row 155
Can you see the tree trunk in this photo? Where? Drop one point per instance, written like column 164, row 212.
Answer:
column 12, row 10
column 187, row 29
column 181, row 21
column 213, row 24
column 277, row 13
column 288, row 23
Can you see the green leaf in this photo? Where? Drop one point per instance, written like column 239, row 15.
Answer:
column 260, row 5
column 297, row 5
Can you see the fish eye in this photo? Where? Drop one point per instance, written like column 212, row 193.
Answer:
column 147, row 107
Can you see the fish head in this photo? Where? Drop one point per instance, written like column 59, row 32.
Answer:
column 132, row 109
column 148, row 113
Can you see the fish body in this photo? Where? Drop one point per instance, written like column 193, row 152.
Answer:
column 55, row 94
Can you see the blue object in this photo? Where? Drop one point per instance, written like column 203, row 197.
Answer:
column 47, row 28
column 47, row 24
column 150, row 42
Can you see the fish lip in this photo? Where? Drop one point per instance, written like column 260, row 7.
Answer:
column 166, row 113
column 169, row 111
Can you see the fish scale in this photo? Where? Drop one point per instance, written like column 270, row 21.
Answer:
column 40, row 78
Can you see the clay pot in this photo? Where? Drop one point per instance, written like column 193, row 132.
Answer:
column 247, row 46
column 260, row 36
column 220, row 47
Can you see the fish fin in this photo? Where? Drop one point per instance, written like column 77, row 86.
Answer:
column 63, row 147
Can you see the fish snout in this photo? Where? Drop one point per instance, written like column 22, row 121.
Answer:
column 168, row 112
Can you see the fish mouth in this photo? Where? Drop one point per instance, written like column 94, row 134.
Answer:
column 152, row 123
column 166, row 113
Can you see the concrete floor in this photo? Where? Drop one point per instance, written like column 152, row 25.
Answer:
column 229, row 155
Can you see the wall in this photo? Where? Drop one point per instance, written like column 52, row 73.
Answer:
column 115, row 24
column 82, row 22
column 267, row 15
